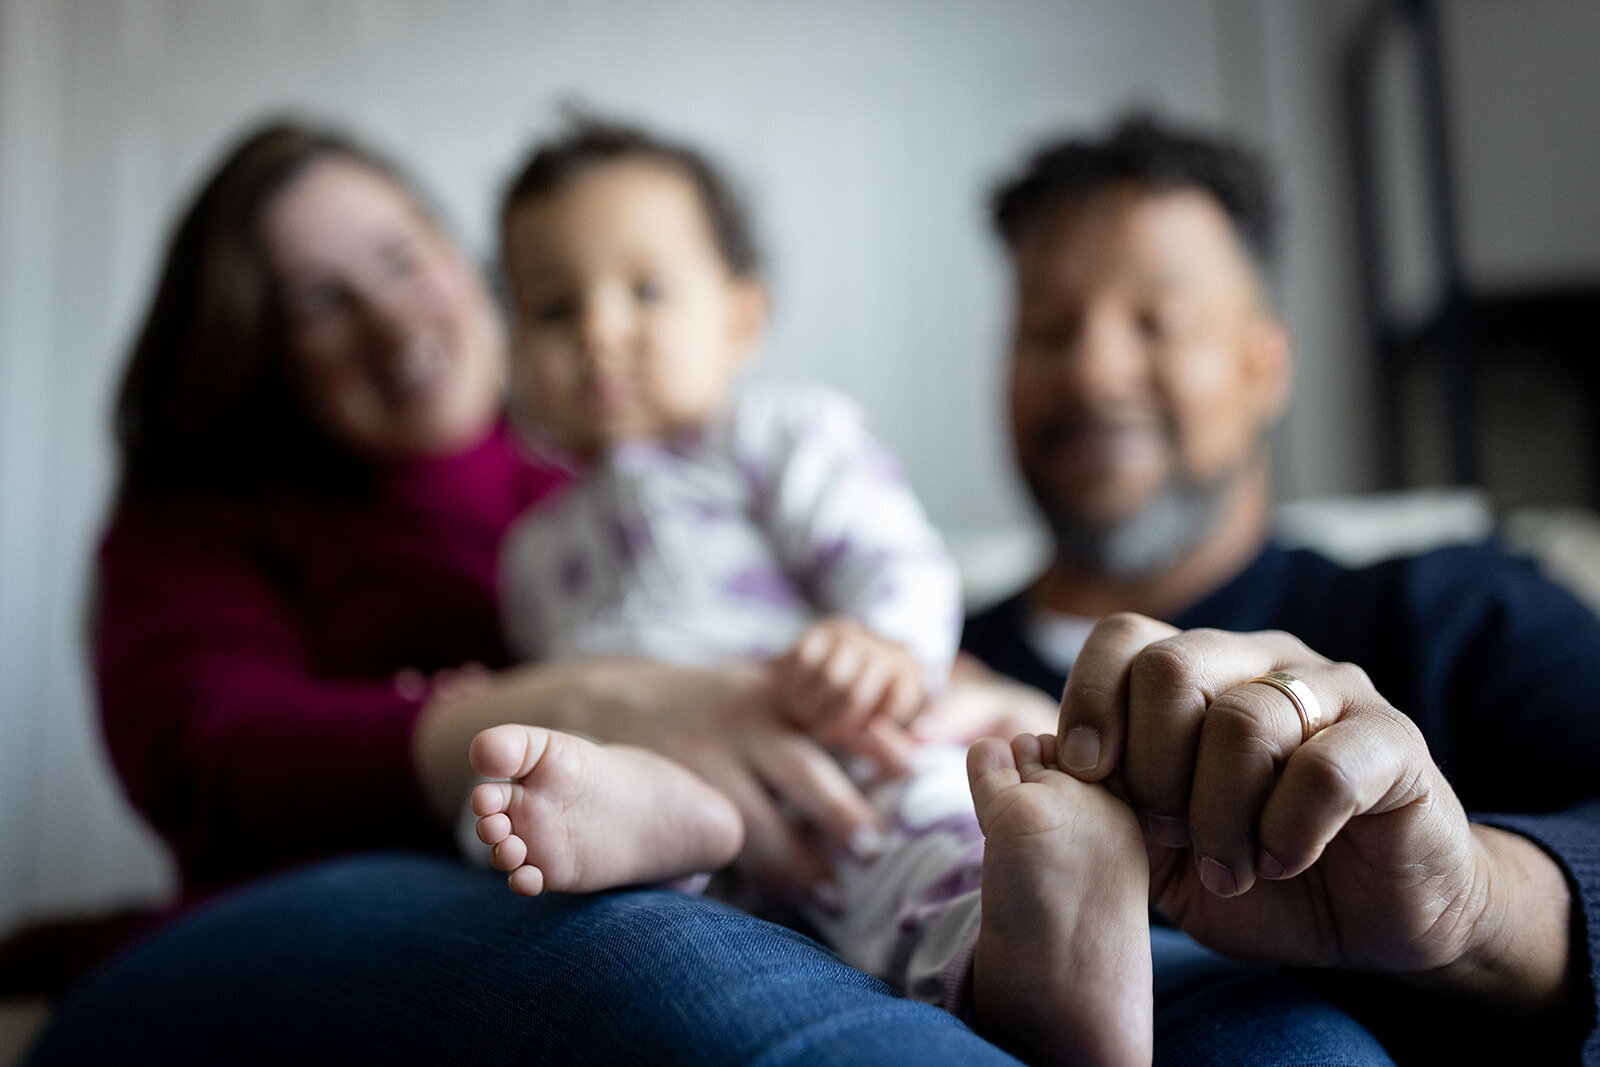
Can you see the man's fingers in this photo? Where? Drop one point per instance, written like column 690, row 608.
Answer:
column 1093, row 722
column 1246, row 735
column 1171, row 684
column 1374, row 761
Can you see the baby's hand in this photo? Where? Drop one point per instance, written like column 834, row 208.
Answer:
column 851, row 689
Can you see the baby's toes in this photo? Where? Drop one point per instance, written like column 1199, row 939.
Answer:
column 509, row 854
column 1047, row 751
column 502, row 751
column 493, row 829
column 527, row 881
column 489, row 798
column 1036, row 757
column 991, row 770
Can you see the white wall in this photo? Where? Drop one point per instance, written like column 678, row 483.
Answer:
column 868, row 134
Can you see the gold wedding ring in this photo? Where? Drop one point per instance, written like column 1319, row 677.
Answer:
column 1300, row 695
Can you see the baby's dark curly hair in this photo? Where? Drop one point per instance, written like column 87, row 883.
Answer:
column 590, row 143
column 1144, row 151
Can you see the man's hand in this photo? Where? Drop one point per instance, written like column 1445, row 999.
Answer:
column 1346, row 849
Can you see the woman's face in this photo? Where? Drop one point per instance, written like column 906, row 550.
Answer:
column 393, row 343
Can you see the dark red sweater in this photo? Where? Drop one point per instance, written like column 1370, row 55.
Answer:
column 245, row 653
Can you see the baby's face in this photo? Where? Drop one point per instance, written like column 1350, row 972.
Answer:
column 628, row 322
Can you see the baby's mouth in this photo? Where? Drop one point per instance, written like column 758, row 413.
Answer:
column 608, row 395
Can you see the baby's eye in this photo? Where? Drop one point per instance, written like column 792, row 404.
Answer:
column 1150, row 325
column 554, row 312
column 1161, row 325
column 648, row 292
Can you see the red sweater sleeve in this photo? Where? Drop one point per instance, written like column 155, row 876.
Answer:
column 224, row 738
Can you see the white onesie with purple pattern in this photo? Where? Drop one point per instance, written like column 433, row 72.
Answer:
column 726, row 544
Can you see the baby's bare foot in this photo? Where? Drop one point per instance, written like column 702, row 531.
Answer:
column 576, row 816
column 1062, row 969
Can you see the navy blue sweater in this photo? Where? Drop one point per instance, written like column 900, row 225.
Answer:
column 1498, row 667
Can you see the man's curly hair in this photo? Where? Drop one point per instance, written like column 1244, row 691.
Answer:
column 1142, row 150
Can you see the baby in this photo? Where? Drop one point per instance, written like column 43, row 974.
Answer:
column 711, row 523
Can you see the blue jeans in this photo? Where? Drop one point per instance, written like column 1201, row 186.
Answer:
column 1211, row 1010
column 414, row 959
column 406, row 959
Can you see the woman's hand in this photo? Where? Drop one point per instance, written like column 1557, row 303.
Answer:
column 1343, row 849
column 726, row 726
column 723, row 724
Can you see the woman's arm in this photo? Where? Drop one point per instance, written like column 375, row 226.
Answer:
column 223, row 735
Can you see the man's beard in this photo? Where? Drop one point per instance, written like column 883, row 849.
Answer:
column 1177, row 519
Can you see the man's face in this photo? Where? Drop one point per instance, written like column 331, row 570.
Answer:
column 1145, row 369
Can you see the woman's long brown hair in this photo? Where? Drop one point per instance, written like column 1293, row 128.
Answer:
column 205, row 402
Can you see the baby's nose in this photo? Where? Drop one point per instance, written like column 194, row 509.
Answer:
column 605, row 327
